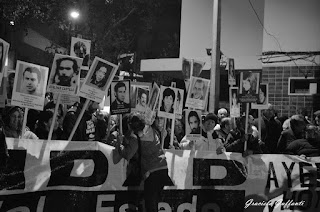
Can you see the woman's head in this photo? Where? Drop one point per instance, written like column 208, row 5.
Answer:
column 262, row 94
column 249, row 81
column 168, row 99
column 133, row 122
column 13, row 118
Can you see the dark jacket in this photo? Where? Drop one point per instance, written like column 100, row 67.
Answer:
column 270, row 133
column 285, row 139
column 88, row 129
column 235, row 143
column 309, row 148
column 43, row 133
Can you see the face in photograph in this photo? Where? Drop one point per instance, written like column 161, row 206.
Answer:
column 10, row 84
column 231, row 69
column 178, row 102
column 234, row 98
column 80, row 50
column 66, row 72
column 100, row 76
column 194, row 122
column 31, row 79
column 168, row 98
column 120, row 92
column 198, row 90
column 142, row 99
column 249, row 83
column 262, row 94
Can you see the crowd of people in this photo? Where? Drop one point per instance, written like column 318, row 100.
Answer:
column 142, row 142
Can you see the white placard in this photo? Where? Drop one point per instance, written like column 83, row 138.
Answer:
column 263, row 99
column 29, row 86
column 197, row 93
column 98, row 79
column 81, row 48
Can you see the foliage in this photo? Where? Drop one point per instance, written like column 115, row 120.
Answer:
column 150, row 28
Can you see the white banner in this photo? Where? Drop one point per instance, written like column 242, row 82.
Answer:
column 81, row 176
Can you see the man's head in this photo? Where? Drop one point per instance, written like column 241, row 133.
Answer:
column 226, row 124
column 270, row 112
column 210, row 122
column 298, row 124
column 222, row 112
column 198, row 89
column 194, row 121
column 31, row 79
column 143, row 98
column 66, row 68
column 120, row 91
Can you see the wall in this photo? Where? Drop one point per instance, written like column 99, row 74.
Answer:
column 277, row 77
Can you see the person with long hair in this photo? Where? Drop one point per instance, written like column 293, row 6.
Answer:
column 13, row 120
column 143, row 142
column 99, row 77
column 249, row 83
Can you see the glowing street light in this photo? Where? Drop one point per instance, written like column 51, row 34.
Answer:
column 74, row 14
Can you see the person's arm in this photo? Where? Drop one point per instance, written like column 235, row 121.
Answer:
column 128, row 147
column 101, row 128
column 185, row 144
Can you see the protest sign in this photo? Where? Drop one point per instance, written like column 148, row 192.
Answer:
column 81, row 48
column 98, row 80
column 4, row 49
column 263, row 99
column 29, row 85
column 197, row 93
column 120, row 97
column 64, row 77
column 249, row 86
column 234, row 103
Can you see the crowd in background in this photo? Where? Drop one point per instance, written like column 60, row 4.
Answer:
column 278, row 135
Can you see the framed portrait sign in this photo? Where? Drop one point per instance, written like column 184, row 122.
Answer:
column 3, row 94
column 29, row 86
column 231, row 72
column 136, row 91
column 65, row 74
column 167, row 100
column 249, row 86
column 197, row 93
column 234, row 103
column 9, row 76
column 193, row 124
column 81, row 48
column 4, row 49
column 120, row 97
column 98, row 79
column 263, row 100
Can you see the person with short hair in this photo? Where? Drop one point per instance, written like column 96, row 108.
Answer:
column 120, row 94
column 67, row 70
column 142, row 100
column 297, row 131
column 31, row 79
column 225, row 128
column 194, row 122
column 198, row 90
column 209, row 139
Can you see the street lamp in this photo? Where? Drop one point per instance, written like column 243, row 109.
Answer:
column 74, row 14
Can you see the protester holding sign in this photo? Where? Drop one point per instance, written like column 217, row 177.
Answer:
column 154, row 169
column 44, row 124
column 12, row 118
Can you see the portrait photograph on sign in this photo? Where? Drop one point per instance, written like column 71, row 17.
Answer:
column 193, row 124
column 249, row 86
column 231, row 72
column 3, row 95
column 167, row 102
column 234, row 103
column 64, row 76
column 197, row 93
column 4, row 49
column 155, row 92
column 179, row 102
column 81, row 48
column 120, row 97
column 98, row 79
column 9, row 77
column 142, row 98
column 29, row 86
column 263, row 99
column 134, row 88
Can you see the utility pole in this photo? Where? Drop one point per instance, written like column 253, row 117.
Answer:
column 215, row 57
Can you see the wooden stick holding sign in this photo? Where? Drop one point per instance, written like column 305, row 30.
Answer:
column 246, row 126
column 25, row 117
column 85, row 105
column 56, row 110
